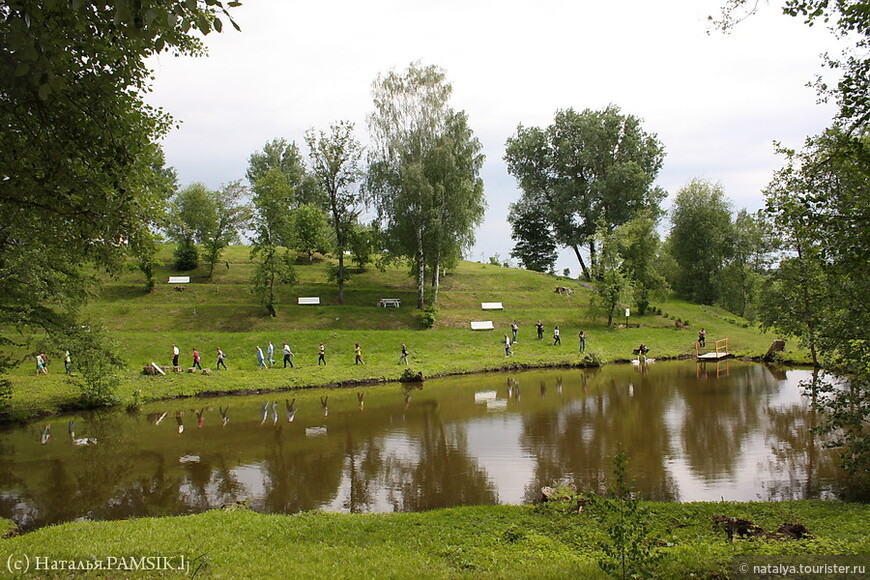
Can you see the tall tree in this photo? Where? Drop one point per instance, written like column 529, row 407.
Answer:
column 700, row 239
column 335, row 164
column 452, row 167
column 312, row 232
column 586, row 168
column 751, row 256
column 423, row 170
column 820, row 205
column 614, row 286
column 78, row 142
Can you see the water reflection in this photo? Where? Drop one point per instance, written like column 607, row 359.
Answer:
column 728, row 430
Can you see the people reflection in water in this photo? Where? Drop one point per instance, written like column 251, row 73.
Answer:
column 543, row 389
column 225, row 418
column 179, row 418
column 274, row 412
column 156, row 418
column 200, row 418
column 78, row 441
column 360, row 397
column 291, row 409
column 265, row 412
column 559, row 386
column 45, row 436
column 324, row 404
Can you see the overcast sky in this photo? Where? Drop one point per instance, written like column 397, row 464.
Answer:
column 717, row 102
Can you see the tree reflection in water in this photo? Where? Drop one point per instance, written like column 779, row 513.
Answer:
column 692, row 434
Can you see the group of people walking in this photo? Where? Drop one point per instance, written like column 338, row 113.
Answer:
column 539, row 326
column 42, row 363
column 267, row 360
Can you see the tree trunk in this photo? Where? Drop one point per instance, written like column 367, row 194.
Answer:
column 592, row 257
column 582, row 263
column 436, row 281
column 421, row 270
column 340, row 276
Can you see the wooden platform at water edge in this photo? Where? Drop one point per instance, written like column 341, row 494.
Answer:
column 717, row 352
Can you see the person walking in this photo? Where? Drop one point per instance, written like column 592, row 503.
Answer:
column 270, row 350
column 220, row 360
column 702, row 338
column 514, row 329
column 359, row 360
column 261, row 360
column 582, row 337
column 540, row 327
column 507, row 346
column 175, row 354
column 67, row 363
column 321, row 354
column 556, row 338
column 41, row 366
column 403, row 357
column 196, row 359
column 287, row 354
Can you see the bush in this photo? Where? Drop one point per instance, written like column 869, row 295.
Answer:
column 428, row 317
column 186, row 256
column 95, row 356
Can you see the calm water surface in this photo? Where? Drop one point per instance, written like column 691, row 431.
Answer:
column 732, row 430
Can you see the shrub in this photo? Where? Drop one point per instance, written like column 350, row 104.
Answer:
column 96, row 360
column 427, row 318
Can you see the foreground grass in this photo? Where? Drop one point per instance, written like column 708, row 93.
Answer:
column 220, row 312
column 480, row 542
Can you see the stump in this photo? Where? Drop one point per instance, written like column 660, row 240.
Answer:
column 776, row 346
column 206, row 371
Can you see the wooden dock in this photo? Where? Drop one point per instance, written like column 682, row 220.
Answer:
column 717, row 352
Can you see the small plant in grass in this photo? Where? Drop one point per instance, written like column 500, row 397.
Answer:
column 630, row 550
column 590, row 359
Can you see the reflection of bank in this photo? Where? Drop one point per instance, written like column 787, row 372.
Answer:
column 717, row 369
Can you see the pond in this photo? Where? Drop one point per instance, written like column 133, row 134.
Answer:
column 730, row 430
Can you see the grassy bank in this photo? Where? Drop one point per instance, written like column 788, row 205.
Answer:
column 480, row 542
column 220, row 312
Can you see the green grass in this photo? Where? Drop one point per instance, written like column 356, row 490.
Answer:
column 221, row 312
column 479, row 542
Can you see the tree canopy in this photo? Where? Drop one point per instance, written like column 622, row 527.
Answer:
column 586, row 168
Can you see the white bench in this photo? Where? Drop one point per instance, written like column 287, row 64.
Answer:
column 179, row 279
column 482, row 325
column 384, row 302
column 309, row 300
column 491, row 306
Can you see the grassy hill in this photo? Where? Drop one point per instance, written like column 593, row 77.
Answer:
column 221, row 312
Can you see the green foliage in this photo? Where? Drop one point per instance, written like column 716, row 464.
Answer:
column 186, row 255
column 362, row 245
column 614, row 286
column 429, row 316
column 423, row 176
column 274, row 268
column 585, row 168
column 630, row 551
column 535, row 245
column 310, row 227
column 700, row 240
column 819, row 204
column 335, row 165
column 97, row 363
column 638, row 245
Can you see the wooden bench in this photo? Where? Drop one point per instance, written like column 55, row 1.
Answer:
column 309, row 300
column 384, row 302
column 179, row 279
column 491, row 306
column 482, row 325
